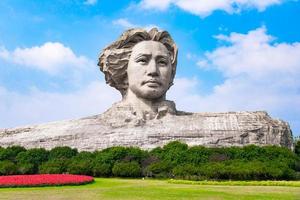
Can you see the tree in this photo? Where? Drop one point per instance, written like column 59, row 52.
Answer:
column 10, row 153
column 55, row 166
column 7, row 168
column 80, row 165
column 127, row 169
column 297, row 148
column 102, row 169
column 62, row 153
column 33, row 156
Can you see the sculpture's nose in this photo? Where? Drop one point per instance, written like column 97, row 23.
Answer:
column 152, row 68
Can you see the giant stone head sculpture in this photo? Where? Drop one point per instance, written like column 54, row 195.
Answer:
column 140, row 62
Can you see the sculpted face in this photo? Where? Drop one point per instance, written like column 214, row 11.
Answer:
column 149, row 70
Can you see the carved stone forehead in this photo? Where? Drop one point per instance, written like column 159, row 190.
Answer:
column 150, row 48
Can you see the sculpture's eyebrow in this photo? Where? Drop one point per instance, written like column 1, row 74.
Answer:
column 162, row 56
column 149, row 55
column 142, row 55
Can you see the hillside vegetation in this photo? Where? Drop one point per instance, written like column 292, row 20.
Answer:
column 174, row 160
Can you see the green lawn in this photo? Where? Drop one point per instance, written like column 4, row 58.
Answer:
column 103, row 189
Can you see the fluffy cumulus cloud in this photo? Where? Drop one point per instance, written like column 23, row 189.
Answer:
column 123, row 22
column 204, row 7
column 126, row 24
column 260, row 74
column 51, row 57
column 40, row 106
column 66, row 69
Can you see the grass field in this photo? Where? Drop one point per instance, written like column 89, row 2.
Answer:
column 130, row 189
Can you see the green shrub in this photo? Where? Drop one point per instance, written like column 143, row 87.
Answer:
column 134, row 154
column 10, row 153
column 7, row 168
column 198, row 154
column 85, row 155
column 148, row 160
column 33, row 156
column 25, row 168
column 175, row 159
column 56, row 166
column 111, row 155
column 161, row 169
column 127, row 169
column 102, row 170
column 80, row 166
column 187, row 171
column 62, row 153
column 175, row 152
column 297, row 148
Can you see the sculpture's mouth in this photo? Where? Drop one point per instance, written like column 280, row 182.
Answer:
column 152, row 83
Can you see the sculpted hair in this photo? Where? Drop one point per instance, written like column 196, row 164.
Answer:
column 113, row 60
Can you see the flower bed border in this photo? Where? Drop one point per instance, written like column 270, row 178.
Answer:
column 40, row 180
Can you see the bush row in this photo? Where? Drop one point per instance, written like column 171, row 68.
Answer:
column 174, row 160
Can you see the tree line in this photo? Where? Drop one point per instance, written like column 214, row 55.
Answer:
column 174, row 160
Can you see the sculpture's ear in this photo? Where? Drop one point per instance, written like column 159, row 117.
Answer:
column 175, row 52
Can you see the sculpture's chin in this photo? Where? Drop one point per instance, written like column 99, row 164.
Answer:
column 150, row 93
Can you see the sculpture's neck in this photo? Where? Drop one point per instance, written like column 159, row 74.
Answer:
column 141, row 104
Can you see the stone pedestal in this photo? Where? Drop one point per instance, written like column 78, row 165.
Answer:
column 120, row 127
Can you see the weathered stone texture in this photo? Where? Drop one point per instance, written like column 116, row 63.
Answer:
column 119, row 126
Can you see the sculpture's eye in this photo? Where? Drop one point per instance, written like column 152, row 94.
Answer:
column 142, row 60
column 162, row 62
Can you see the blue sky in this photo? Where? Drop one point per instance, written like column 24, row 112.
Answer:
column 233, row 55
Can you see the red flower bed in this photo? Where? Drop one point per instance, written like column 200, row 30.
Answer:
column 44, row 180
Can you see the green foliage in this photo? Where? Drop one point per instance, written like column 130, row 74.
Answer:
column 111, row 155
column 235, row 170
column 7, row 168
column 187, row 171
column 26, row 168
column 34, row 156
column 174, row 153
column 175, row 146
column 55, row 166
column 105, row 160
column 102, row 169
column 174, row 160
column 134, row 154
column 85, row 155
column 198, row 154
column 80, row 165
column 161, row 169
column 127, row 169
column 62, row 153
column 10, row 153
column 297, row 148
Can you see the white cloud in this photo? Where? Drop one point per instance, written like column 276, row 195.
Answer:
column 51, row 57
column 158, row 4
column 90, row 2
column 4, row 54
column 184, row 93
column 39, row 106
column 259, row 75
column 204, row 7
column 256, row 56
column 126, row 24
